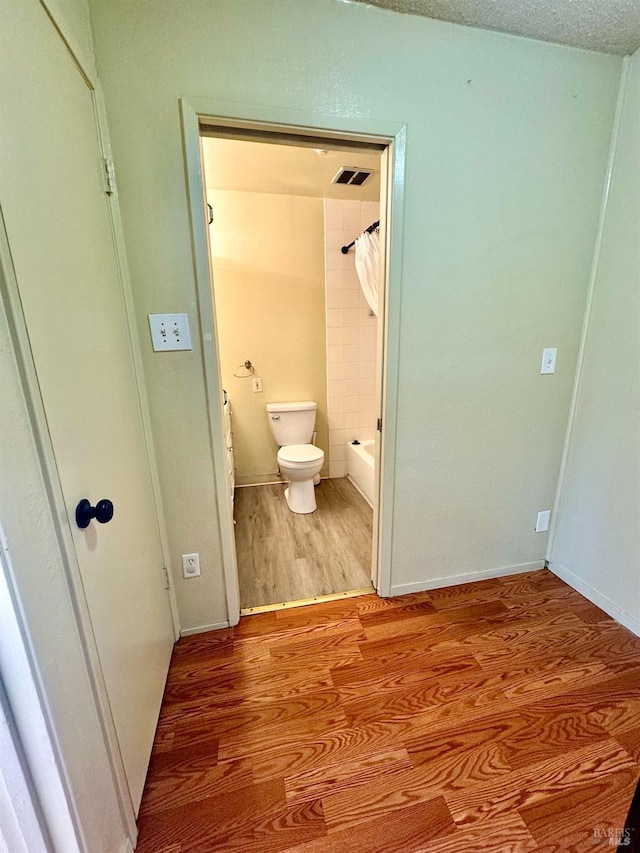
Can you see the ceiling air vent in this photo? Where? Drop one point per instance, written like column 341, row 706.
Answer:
column 351, row 175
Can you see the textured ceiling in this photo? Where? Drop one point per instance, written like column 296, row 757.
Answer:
column 609, row 26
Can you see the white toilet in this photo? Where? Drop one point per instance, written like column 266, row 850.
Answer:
column 292, row 425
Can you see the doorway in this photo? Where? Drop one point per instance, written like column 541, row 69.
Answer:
column 201, row 117
column 292, row 324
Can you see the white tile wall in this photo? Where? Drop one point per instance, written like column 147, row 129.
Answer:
column 351, row 333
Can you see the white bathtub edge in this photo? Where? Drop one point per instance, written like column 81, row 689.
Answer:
column 361, row 469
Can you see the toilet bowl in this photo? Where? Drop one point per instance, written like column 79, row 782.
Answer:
column 300, row 464
column 292, row 425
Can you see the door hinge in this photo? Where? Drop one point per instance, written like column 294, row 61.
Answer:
column 167, row 585
column 109, row 176
column 379, row 425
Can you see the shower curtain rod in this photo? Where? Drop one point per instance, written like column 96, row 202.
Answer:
column 368, row 230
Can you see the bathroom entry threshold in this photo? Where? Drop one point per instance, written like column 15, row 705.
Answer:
column 304, row 602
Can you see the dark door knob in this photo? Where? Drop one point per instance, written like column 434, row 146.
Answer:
column 102, row 512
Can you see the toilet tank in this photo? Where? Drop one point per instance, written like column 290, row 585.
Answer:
column 292, row 423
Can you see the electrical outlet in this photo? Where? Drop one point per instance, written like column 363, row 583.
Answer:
column 191, row 565
column 542, row 523
column 256, row 384
column 170, row 332
column 549, row 360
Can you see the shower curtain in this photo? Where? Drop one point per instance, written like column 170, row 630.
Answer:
column 368, row 266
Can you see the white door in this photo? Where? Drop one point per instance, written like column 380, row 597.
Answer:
column 56, row 212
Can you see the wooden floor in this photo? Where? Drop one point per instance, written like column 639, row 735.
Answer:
column 284, row 556
column 497, row 716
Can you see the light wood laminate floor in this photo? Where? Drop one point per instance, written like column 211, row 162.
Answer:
column 495, row 717
column 283, row 556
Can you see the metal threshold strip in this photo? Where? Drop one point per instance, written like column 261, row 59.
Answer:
column 303, row 602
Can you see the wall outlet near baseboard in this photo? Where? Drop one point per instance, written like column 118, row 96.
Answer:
column 191, row 565
column 542, row 523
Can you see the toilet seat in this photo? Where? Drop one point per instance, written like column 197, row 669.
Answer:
column 299, row 455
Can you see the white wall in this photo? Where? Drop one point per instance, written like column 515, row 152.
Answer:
column 351, row 332
column 507, row 141
column 596, row 544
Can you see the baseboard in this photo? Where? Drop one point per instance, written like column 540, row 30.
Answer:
column 260, row 480
column 595, row 597
column 467, row 577
column 214, row 626
column 279, row 481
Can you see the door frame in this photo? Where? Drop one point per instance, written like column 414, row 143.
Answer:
column 197, row 110
column 122, row 264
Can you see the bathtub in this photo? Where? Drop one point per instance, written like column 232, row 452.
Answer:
column 360, row 468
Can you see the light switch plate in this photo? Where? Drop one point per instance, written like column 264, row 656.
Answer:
column 549, row 356
column 542, row 522
column 170, row 332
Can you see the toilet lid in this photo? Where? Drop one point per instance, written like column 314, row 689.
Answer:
column 300, row 453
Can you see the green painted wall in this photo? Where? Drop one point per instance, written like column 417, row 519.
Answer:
column 597, row 539
column 507, row 142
